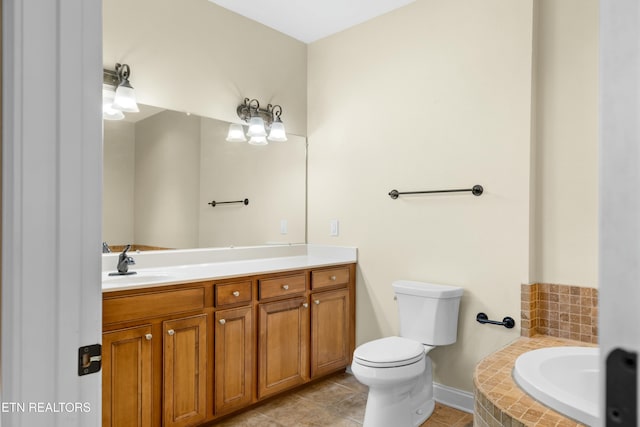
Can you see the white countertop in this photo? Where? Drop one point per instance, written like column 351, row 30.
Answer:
column 169, row 267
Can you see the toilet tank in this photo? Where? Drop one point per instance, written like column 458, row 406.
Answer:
column 428, row 312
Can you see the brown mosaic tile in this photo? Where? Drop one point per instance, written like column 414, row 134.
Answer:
column 559, row 310
column 500, row 402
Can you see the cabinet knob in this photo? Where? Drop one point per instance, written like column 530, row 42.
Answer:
column 316, row 301
column 305, row 305
column 236, row 293
column 171, row 332
column 222, row 321
column 285, row 287
column 148, row 337
column 333, row 278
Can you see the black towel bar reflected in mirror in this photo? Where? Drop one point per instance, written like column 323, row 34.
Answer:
column 476, row 190
column 214, row 203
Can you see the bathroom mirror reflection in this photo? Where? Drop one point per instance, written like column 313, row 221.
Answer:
column 162, row 168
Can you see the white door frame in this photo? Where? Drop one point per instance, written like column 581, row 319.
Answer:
column 52, row 210
column 619, row 181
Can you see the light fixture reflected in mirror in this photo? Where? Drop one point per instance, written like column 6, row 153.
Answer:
column 256, row 127
column 123, row 98
column 236, row 133
column 108, row 112
column 259, row 120
column 258, row 140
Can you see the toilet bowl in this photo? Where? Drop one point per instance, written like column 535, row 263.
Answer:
column 398, row 374
column 398, row 370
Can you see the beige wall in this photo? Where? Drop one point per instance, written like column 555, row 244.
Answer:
column 118, row 182
column 565, row 241
column 192, row 55
column 434, row 95
column 167, row 180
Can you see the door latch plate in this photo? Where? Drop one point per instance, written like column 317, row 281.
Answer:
column 621, row 389
column 89, row 359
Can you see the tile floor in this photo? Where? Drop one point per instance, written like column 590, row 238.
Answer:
column 338, row 401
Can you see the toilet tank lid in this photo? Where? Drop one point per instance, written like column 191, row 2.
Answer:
column 430, row 290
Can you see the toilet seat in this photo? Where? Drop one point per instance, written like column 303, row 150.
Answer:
column 389, row 352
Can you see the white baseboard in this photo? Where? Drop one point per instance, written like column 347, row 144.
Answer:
column 459, row 399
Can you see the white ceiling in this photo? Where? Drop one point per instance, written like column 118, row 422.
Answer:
column 145, row 111
column 311, row 20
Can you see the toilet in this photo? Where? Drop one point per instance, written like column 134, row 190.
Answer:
column 397, row 370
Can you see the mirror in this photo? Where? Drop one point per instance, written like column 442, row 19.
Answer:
column 163, row 168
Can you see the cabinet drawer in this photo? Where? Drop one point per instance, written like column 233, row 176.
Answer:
column 280, row 286
column 325, row 278
column 145, row 306
column 233, row 293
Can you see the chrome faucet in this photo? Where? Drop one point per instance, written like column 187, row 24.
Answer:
column 105, row 248
column 124, row 261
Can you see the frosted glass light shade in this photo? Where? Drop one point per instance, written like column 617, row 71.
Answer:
column 256, row 127
column 108, row 112
column 258, row 140
column 125, row 99
column 111, row 114
column 236, row 133
column 277, row 133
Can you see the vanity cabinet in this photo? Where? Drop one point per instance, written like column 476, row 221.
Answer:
column 330, row 325
column 154, row 357
column 283, row 345
column 128, row 373
column 126, row 377
column 332, row 319
column 186, row 354
column 184, row 361
column 233, row 358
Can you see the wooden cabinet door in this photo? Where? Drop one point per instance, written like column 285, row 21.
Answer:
column 283, row 345
column 127, row 377
column 184, row 369
column 234, row 358
column 330, row 323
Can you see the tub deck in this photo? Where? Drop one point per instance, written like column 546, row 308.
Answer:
column 498, row 399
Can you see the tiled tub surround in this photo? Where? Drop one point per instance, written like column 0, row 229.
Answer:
column 498, row 399
column 560, row 311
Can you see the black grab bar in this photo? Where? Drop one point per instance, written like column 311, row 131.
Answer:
column 507, row 322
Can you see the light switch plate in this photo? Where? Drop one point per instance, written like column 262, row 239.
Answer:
column 334, row 227
column 284, row 226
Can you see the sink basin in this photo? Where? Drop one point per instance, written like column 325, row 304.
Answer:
column 139, row 277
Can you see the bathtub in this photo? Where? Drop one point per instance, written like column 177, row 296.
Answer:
column 564, row 378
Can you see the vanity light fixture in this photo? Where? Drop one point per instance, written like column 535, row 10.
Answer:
column 236, row 133
column 108, row 112
column 277, row 133
column 124, row 97
column 259, row 120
